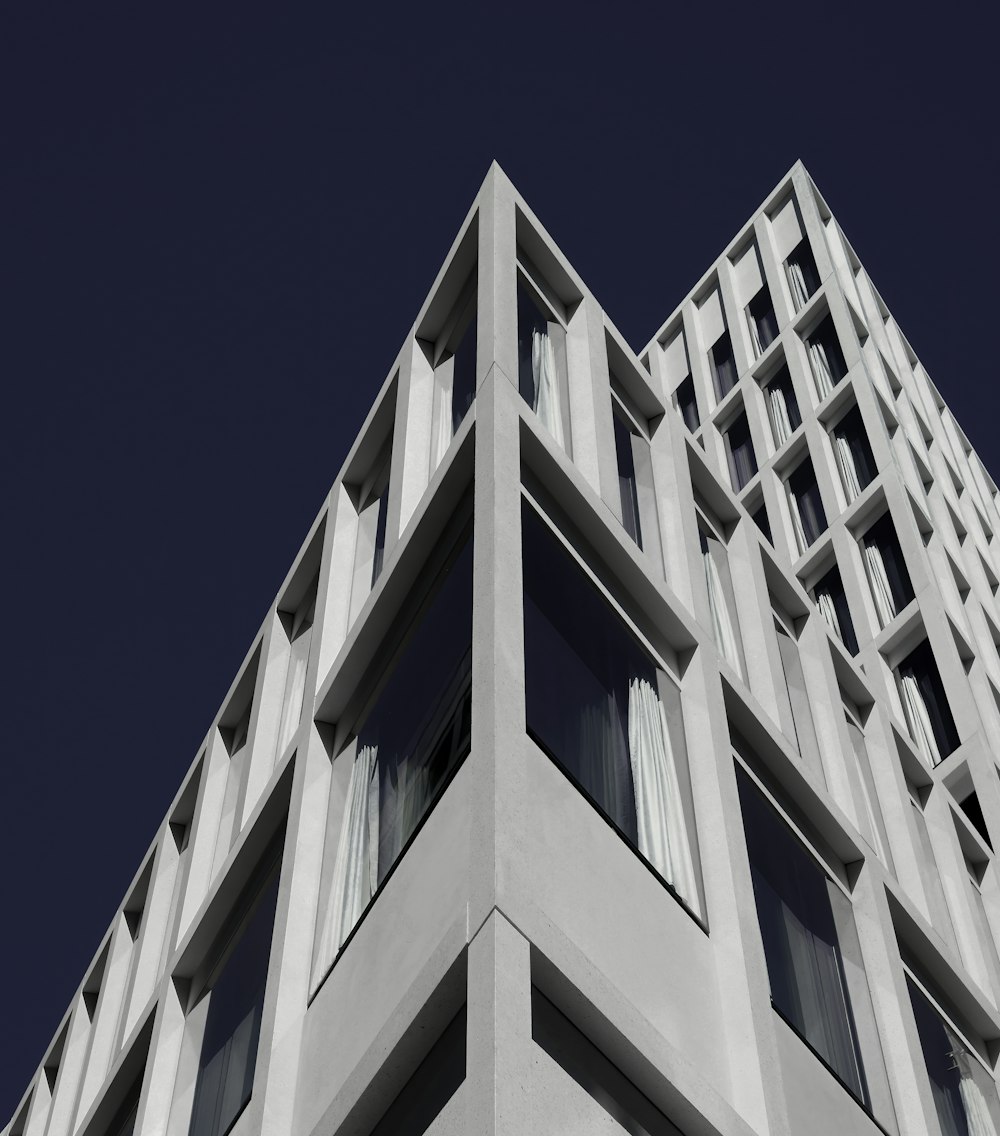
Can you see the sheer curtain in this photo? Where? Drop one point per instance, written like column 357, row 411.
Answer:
column 977, row 1113
column 881, row 591
column 797, row 285
column 919, row 720
column 758, row 347
column 822, row 373
column 828, row 610
column 547, row 402
column 722, row 624
column 443, row 427
column 662, row 830
column 777, row 408
column 797, row 527
column 848, row 470
column 355, row 875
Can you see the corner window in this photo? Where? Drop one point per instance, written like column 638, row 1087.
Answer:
column 800, row 937
column 599, row 705
column 409, row 745
column 802, row 275
column 232, row 1024
column 541, row 367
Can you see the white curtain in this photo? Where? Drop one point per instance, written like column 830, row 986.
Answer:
column 758, row 348
column 662, row 831
column 977, row 1113
column 295, row 685
column 355, row 875
column 882, row 593
column 848, row 470
column 828, row 611
column 821, row 369
column 797, row 527
column 777, row 408
column 443, row 431
column 722, row 624
column 797, row 285
column 543, row 371
column 919, row 720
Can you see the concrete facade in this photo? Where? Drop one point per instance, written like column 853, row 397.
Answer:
column 514, row 892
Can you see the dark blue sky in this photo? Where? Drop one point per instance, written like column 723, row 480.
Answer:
column 218, row 225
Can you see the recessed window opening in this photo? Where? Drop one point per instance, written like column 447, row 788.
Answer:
column 408, row 748
column 870, row 818
column 434, row 1083
column 831, row 599
column 232, row 1024
column 453, row 357
column 802, row 274
column 854, row 454
column 974, row 812
column 782, row 407
column 595, row 1073
column 123, row 1122
column 740, row 453
column 722, row 363
column 541, row 351
column 826, row 357
column 925, row 705
column 721, row 598
column 762, row 323
column 960, row 1086
column 760, row 519
column 297, row 625
column 627, row 438
column 606, row 711
column 885, row 566
column 795, row 685
column 687, row 403
column 796, row 901
column 805, row 506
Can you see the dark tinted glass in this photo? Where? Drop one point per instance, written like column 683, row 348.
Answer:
column 852, row 429
column 626, row 479
column 723, row 364
column 826, row 334
column 921, row 665
column 883, row 535
column 739, row 450
column 762, row 313
column 833, row 586
column 803, row 484
column 463, row 390
column 687, row 404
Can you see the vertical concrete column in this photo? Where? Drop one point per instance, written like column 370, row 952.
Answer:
column 590, row 404
column 498, row 1054
column 157, row 1097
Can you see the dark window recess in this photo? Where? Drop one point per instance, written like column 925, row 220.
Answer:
column 825, row 338
column 803, row 276
column 739, row 451
column 807, row 503
column 948, row 1064
column 420, row 727
column 379, row 557
column 687, row 404
column 127, row 1114
column 723, row 364
column 921, row 666
column 593, row 1072
column 832, row 586
column 463, row 389
column 799, row 933
column 763, row 321
column 232, row 1025
column 430, row 1088
column 974, row 811
column 854, row 451
column 627, row 485
column 882, row 535
column 760, row 519
column 782, row 407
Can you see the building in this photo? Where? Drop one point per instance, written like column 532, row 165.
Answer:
column 598, row 767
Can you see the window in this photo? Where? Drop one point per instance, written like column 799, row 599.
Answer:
column 232, row 1024
column 739, row 451
column 826, row 357
column 799, row 928
column 760, row 519
column 687, row 404
column 721, row 600
column 409, row 745
column 599, row 705
column 723, row 365
column 831, row 600
column 864, row 792
column 886, row 568
column 928, row 714
column 795, row 686
column 541, row 352
column 762, row 322
column 854, row 454
column 803, row 277
column 782, row 407
column 298, row 626
column 964, row 1094
column 578, row 1056
column 626, row 438
column 805, row 505
column 454, row 360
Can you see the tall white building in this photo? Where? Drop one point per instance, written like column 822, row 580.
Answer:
column 598, row 767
